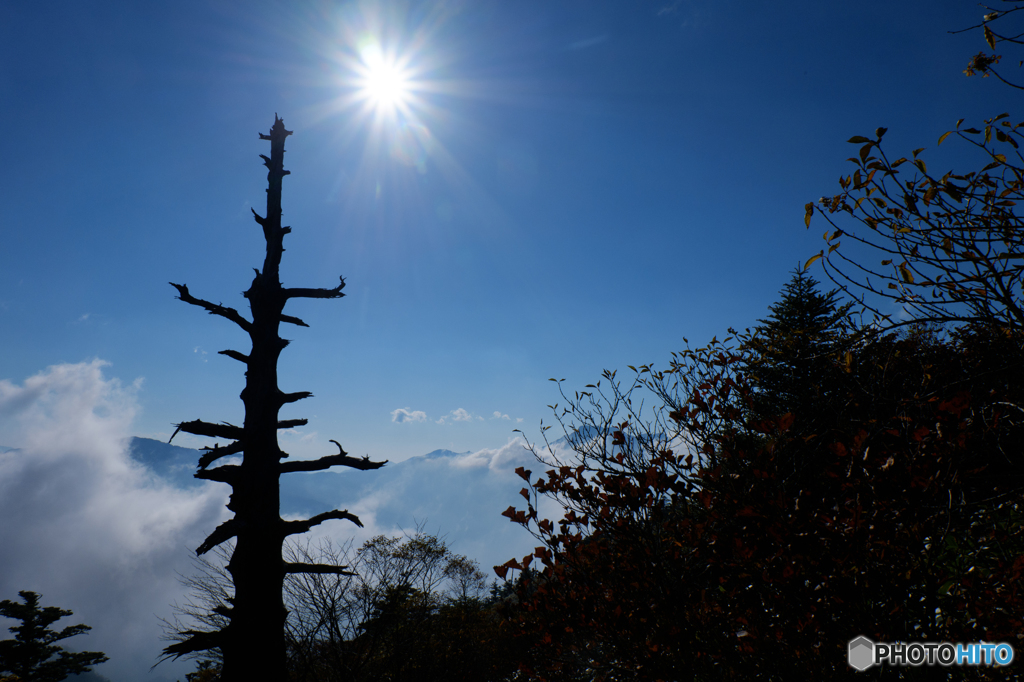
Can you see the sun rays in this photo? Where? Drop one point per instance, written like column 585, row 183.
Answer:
column 383, row 81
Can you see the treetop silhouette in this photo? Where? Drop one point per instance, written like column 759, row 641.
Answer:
column 33, row 656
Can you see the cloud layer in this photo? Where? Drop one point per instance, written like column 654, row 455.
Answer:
column 98, row 532
column 84, row 525
column 457, row 495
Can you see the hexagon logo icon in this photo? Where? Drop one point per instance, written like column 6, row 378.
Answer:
column 861, row 653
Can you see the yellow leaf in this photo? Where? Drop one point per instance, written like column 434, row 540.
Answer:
column 808, row 210
column 990, row 38
column 813, row 258
column 944, row 136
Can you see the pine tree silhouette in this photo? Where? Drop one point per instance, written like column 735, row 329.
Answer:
column 33, row 656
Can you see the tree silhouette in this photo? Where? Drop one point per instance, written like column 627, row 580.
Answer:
column 253, row 641
column 694, row 552
column 794, row 350
column 950, row 245
column 32, row 655
column 411, row 609
column 798, row 362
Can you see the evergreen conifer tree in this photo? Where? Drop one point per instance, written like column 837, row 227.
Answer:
column 798, row 363
column 797, row 356
column 33, row 656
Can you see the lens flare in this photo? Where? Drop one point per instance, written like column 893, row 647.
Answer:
column 384, row 82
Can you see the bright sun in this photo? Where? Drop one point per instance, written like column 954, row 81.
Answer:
column 384, row 82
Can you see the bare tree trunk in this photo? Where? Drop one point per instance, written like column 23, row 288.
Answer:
column 253, row 642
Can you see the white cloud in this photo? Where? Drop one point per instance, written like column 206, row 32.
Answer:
column 507, row 457
column 87, row 527
column 402, row 415
column 519, row 420
column 498, row 415
column 93, row 531
column 461, row 497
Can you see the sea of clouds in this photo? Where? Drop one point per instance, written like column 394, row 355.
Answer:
column 94, row 530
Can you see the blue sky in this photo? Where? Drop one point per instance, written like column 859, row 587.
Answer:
column 571, row 186
column 579, row 186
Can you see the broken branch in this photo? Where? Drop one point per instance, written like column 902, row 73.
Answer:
column 316, row 293
column 316, row 568
column 221, row 533
column 294, row 527
column 201, row 428
column 234, row 354
column 216, row 452
column 212, row 308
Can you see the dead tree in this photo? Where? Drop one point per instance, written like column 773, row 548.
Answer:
column 253, row 643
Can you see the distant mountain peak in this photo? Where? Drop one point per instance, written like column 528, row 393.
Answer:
column 437, row 454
